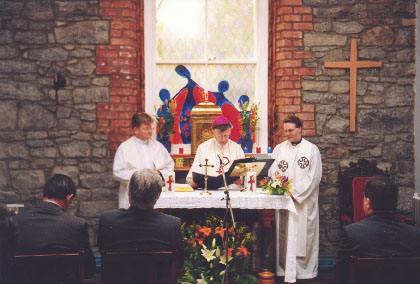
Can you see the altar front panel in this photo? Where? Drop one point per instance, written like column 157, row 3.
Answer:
column 243, row 200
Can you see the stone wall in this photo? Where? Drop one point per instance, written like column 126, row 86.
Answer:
column 42, row 133
column 385, row 32
column 93, row 45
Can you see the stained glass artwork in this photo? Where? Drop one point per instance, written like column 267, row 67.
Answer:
column 168, row 79
column 191, row 95
column 215, row 41
column 241, row 78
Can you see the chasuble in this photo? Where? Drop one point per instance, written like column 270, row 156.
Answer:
column 209, row 150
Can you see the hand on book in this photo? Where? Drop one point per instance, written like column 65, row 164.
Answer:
column 239, row 181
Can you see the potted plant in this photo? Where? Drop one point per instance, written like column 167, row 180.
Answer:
column 165, row 125
column 249, row 124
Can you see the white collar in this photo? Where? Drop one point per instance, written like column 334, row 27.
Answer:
column 141, row 141
column 50, row 201
column 220, row 146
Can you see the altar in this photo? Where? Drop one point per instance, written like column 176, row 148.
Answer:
column 246, row 201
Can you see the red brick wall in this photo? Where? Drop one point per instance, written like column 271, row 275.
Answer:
column 289, row 20
column 122, row 59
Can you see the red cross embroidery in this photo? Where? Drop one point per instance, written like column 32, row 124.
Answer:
column 170, row 181
column 251, row 181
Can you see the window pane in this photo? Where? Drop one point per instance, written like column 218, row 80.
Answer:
column 230, row 29
column 180, row 29
column 241, row 78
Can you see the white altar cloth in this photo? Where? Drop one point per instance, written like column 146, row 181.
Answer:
column 244, row 200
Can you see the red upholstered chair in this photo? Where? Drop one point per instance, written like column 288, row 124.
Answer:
column 138, row 267
column 50, row 268
column 358, row 189
column 384, row 270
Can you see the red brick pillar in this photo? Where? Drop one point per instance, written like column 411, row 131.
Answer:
column 122, row 60
column 289, row 21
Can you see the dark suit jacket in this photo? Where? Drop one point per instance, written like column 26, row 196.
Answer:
column 140, row 230
column 47, row 229
column 379, row 235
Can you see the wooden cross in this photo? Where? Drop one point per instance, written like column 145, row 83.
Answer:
column 353, row 65
column 170, row 181
column 251, row 181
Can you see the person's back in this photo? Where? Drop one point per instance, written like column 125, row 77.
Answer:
column 48, row 229
column 135, row 229
column 381, row 234
column 139, row 228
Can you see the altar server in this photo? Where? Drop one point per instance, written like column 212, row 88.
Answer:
column 219, row 146
column 300, row 160
column 139, row 152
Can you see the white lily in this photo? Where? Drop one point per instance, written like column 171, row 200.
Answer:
column 208, row 254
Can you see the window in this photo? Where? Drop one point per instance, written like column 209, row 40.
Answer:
column 216, row 40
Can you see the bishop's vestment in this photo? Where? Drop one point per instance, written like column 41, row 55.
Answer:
column 210, row 150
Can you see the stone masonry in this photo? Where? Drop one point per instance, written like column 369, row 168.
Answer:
column 41, row 132
column 98, row 46
column 384, row 30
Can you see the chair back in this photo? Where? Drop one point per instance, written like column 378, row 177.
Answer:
column 139, row 267
column 385, row 270
column 358, row 189
column 50, row 268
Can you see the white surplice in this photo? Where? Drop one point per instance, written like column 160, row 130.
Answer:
column 302, row 163
column 209, row 150
column 135, row 155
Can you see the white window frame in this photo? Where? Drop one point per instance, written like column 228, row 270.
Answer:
column 261, row 94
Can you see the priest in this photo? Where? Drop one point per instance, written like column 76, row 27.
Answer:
column 217, row 150
column 139, row 152
column 300, row 160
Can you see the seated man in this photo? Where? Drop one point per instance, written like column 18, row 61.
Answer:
column 219, row 146
column 139, row 228
column 48, row 229
column 381, row 234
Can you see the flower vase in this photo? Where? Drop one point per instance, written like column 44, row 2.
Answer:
column 167, row 145
column 247, row 146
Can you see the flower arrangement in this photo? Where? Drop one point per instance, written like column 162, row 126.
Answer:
column 165, row 123
column 249, row 120
column 205, row 257
column 279, row 185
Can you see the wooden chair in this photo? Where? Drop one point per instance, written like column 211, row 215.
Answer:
column 50, row 268
column 139, row 267
column 385, row 270
column 358, row 193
